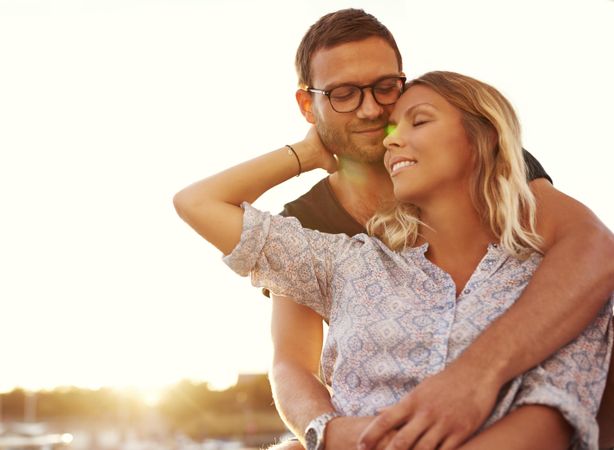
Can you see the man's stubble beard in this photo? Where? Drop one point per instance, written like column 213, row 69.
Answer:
column 340, row 143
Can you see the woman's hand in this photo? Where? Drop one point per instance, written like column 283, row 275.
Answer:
column 212, row 206
column 313, row 154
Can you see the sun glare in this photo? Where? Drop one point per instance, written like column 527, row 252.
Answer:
column 151, row 397
column 222, row 380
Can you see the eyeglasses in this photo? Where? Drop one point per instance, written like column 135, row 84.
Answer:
column 348, row 97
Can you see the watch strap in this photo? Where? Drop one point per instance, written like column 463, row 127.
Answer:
column 314, row 433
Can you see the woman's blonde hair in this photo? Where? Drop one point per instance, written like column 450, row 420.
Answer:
column 499, row 187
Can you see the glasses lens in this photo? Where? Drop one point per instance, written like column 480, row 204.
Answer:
column 388, row 90
column 345, row 98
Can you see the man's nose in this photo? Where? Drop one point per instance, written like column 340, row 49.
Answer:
column 369, row 109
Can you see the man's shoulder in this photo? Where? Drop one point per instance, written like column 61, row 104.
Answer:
column 534, row 168
column 306, row 204
column 319, row 209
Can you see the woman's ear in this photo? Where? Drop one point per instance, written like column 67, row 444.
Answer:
column 305, row 103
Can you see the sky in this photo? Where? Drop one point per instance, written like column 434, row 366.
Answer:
column 109, row 107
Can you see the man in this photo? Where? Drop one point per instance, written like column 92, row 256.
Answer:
column 350, row 47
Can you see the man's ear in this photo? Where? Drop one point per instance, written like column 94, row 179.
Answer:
column 305, row 103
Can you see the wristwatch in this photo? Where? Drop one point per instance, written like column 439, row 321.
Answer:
column 314, row 433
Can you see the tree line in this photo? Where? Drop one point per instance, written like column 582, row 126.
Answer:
column 188, row 407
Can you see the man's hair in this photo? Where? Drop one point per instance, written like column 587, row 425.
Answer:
column 336, row 28
column 499, row 187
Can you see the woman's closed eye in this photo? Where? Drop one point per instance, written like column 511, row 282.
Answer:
column 419, row 119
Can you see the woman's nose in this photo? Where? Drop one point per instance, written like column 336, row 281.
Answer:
column 392, row 137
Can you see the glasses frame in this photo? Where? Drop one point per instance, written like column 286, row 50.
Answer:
column 362, row 91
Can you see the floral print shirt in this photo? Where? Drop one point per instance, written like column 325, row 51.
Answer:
column 394, row 318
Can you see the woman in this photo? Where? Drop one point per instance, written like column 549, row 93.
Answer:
column 452, row 256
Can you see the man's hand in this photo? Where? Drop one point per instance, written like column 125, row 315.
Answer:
column 342, row 432
column 440, row 413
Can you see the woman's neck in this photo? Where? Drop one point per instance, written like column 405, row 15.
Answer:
column 457, row 237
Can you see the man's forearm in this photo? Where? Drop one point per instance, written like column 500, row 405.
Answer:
column 299, row 396
column 571, row 285
column 297, row 337
column 563, row 297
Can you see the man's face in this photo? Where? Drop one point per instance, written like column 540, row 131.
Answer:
column 356, row 135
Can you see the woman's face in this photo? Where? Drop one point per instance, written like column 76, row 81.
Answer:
column 428, row 153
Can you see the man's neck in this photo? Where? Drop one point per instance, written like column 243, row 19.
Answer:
column 361, row 188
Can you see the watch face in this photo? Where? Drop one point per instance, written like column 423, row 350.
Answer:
column 311, row 439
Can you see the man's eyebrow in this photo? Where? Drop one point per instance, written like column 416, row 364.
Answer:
column 355, row 83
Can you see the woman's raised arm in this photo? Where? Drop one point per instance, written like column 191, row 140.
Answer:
column 212, row 206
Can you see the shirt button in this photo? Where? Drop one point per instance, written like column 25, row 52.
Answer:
column 467, row 291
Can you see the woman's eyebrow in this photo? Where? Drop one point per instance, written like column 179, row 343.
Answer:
column 408, row 112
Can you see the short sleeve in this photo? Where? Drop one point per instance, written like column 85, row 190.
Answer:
column 573, row 380
column 534, row 169
column 282, row 256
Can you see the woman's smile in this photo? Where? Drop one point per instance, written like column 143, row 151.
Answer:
column 397, row 164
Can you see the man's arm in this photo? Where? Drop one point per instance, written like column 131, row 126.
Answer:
column 299, row 394
column 605, row 418
column 570, row 286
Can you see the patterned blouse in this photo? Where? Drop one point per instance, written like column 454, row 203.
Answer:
column 394, row 318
